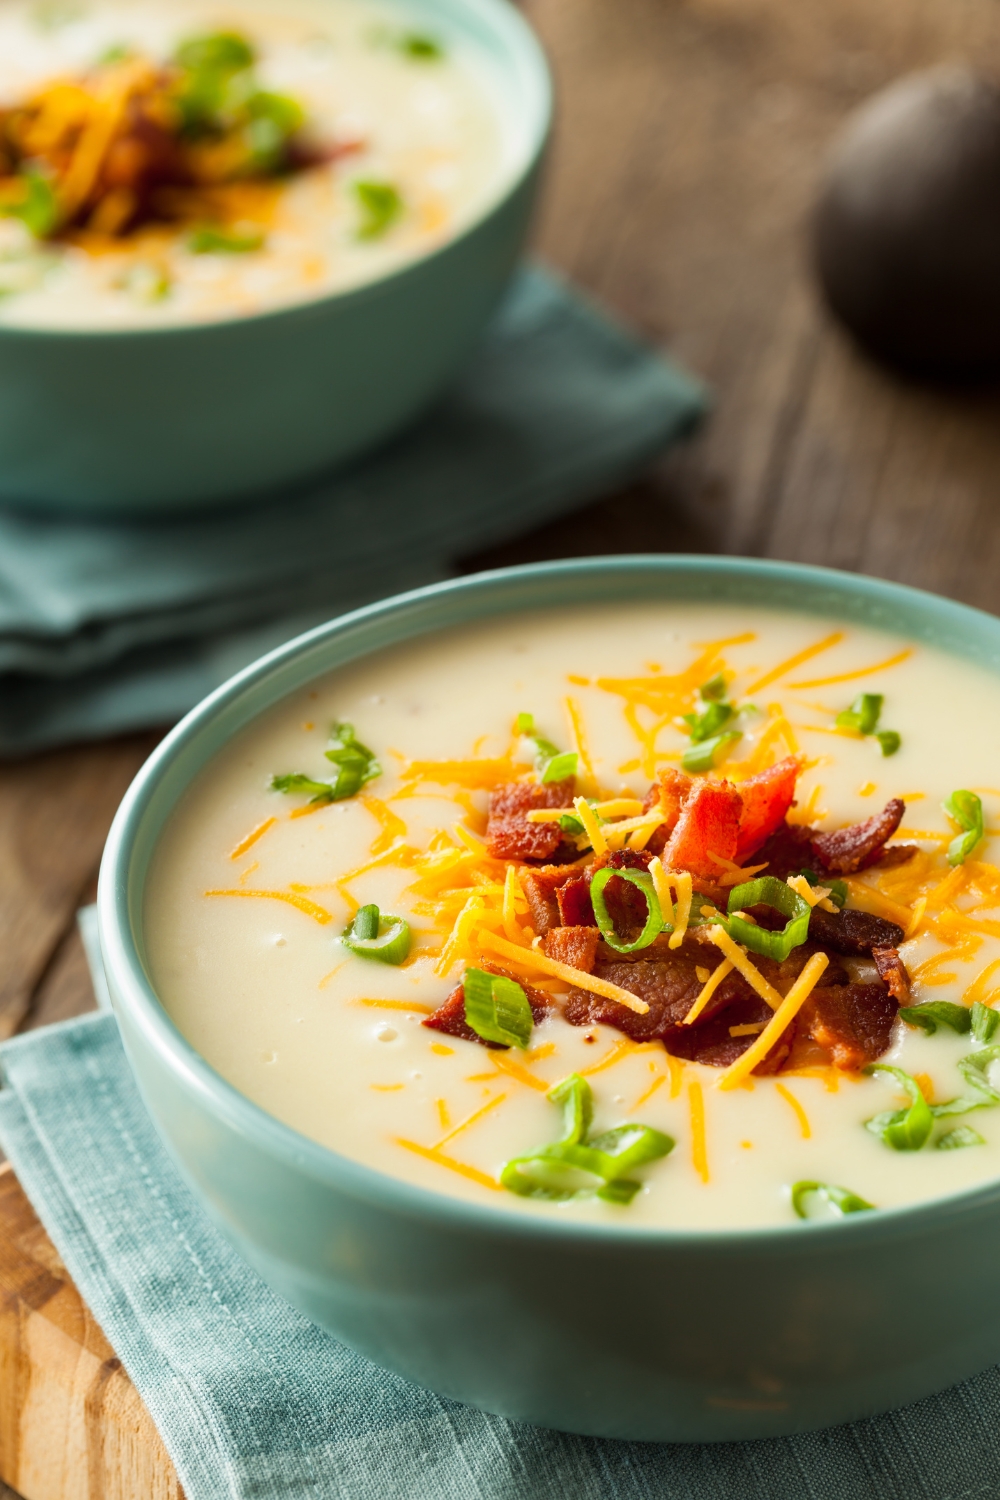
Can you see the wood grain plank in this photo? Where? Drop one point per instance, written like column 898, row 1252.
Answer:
column 72, row 1426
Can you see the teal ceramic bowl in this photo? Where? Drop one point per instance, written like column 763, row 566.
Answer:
column 137, row 421
column 669, row 1335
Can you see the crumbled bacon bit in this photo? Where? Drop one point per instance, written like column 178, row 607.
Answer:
column 708, row 824
column 892, row 972
column 542, row 892
column 575, row 907
column 669, row 792
column 509, row 835
column 851, row 1022
column 847, row 850
column 576, row 946
column 787, row 851
column 766, row 800
column 855, row 933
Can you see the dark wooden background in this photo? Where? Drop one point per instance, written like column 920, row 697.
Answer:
column 689, row 140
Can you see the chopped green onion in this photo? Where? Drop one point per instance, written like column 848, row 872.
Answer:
column 840, row 1199
column 709, row 753
column 643, row 882
column 571, row 824
column 704, row 725
column 965, row 809
column 902, row 1129
column 220, row 51
column 837, row 888
column 209, row 241
column 525, row 724
column 373, row 935
column 575, row 1167
column 963, row 1135
column 380, row 204
column 889, row 740
column 38, row 210
column 424, row 48
column 497, row 1008
column 863, row 714
column 937, row 1013
column 984, row 1021
column 768, row 891
column 973, row 1069
column 714, row 690
column 321, row 791
column 560, row 767
column 357, row 764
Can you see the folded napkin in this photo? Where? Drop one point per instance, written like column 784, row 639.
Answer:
column 255, row 1403
column 111, row 625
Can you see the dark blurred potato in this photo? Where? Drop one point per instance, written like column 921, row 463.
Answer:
column 906, row 231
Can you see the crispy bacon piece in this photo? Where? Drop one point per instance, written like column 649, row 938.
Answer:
column 787, row 851
column 847, row 850
column 712, row 1043
column 575, row 908
column 541, row 889
column 670, row 790
column 895, row 854
column 669, row 987
column 708, row 824
column 766, row 799
column 892, row 972
column 576, row 946
column 851, row 1022
column 509, row 835
column 450, row 1015
column 855, row 933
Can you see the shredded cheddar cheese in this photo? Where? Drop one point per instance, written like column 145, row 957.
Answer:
column 879, row 666
column 739, row 960
column 667, row 883
column 301, row 903
column 470, row 1120
column 591, row 825
column 812, row 895
column 252, row 837
column 393, row 827
column 533, row 959
column 738, row 1071
column 800, row 1113
column 711, row 984
column 699, row 1147
column 439, row 1158
column 798, row 660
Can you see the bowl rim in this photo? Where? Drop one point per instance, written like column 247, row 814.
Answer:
column 133, row 991
column 531, row 64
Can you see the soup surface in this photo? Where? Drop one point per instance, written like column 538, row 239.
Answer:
column 340, row 919
column 182, row 161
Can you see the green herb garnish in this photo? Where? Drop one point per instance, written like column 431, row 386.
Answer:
column 497, row 1008
column 39, row 209
column 767, row 891
column 962, row 1135
column 840, row 1199
column 965, row 809
column 418, row 45
column 862, row 717
column 902, row 1129
column 643, row 882
column 550, row 763
column 937, row 1013
column 380, row 204
column 984, row 1022
column 372, row 935
column 355, row 763
column 209, row 241
column 710, row 738
column 973, row 1069
column 580, row 1166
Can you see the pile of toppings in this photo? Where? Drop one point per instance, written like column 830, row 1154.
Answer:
column 194, row 142
column 702, row 917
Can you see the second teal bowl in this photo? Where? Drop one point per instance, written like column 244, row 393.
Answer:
column 132, row 422
column 678, row 1336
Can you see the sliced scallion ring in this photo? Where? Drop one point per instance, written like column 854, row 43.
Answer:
column 372, row 935
column 902, row 1129
column 840, row 1199
column 767, row 891
column 643, row 882
column 497, row 1008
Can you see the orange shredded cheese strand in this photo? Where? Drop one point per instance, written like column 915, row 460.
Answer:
column 424, row 1010
column 708, row 990
column 318, row 913
column 978, row 988
column 252, row 837
column 477, row 775
column 614, row 1054
column 588, row 781
column 739, row 960
column 591, row 825
column 441, row 1105
column 509, row 1065
column 738, row 1071
column 533, row 959
column 514, row 903
column 676, row 1067
column 657, row 1082
column 470, row 1120
column 867, row 898
column 439, row 1158
column 699, row 1148
column 818, row 895
column 800, row 1113
column 797, row 660
column 879, row 666
column 393, row 827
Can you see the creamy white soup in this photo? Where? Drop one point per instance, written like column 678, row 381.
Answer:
column 649, row 915
column 197, row 159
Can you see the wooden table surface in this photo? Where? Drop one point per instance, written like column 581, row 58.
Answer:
column 689, row 138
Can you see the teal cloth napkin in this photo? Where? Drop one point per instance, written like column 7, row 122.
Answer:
column 112, row 625
column 255, row 1403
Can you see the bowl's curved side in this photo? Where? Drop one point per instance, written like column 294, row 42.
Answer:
column 618, row 1333
column 183, row 415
